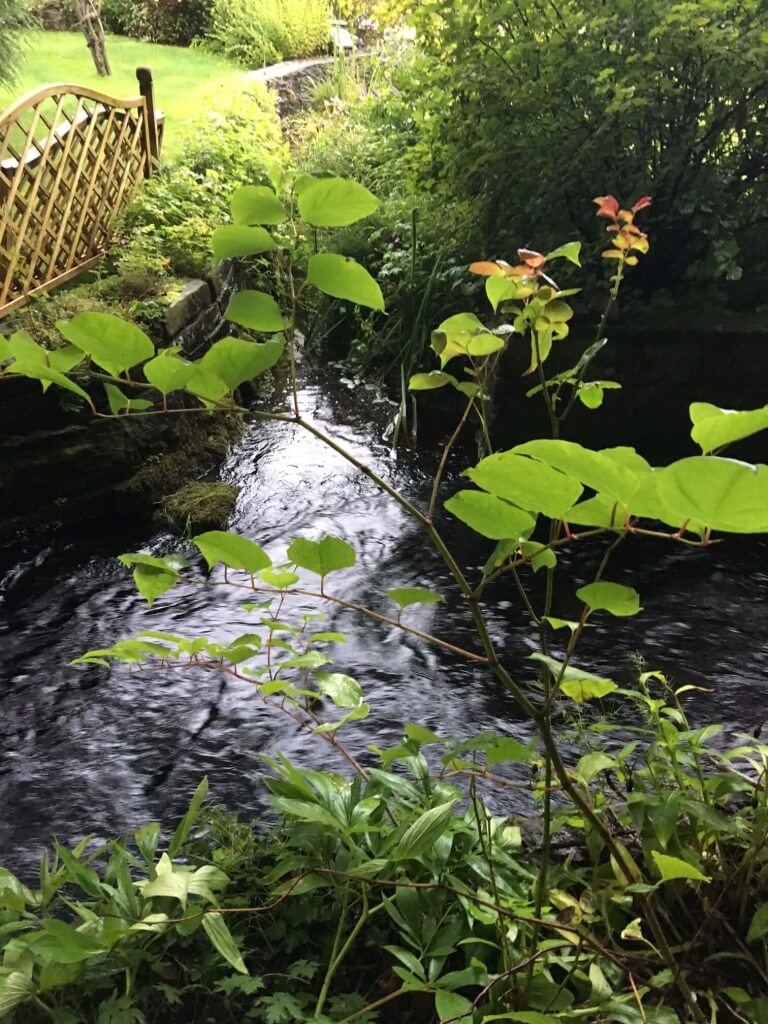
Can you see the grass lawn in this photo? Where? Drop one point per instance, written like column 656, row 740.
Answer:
column 186, row 80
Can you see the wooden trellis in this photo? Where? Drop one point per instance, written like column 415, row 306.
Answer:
column 69, row 161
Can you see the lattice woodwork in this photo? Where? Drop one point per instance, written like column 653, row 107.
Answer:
column 69, row 161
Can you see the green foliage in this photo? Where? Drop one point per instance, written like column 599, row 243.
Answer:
column 405, row 858
column 258, row 32
column 174, row 215
column 14, row 15
column 176, row 22
column 486, row 94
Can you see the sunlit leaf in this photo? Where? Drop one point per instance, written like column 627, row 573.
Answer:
column 231, row 241
column 343, row 690
column 592, row 764
column 257, row 311
column 673, row 867
column 570, row 251
column 256, row 204
column 532, row 485
column 576, row 684
column 335, row 202
column 168, row 373
column 594, row 469
column 714, row 427
column 322, row 556
column 405, row 596
column 490, row 516
column 232, row 550
column 724, row 494
column 430, row 381
column 343, row 278
column 235, row 361
column 112, row 343
column 610, row 597
column 221, row 939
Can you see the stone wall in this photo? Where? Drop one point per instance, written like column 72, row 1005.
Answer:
column 61, row 465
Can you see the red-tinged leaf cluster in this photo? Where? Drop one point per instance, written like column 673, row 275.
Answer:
column 628, row 238
column 530, row 267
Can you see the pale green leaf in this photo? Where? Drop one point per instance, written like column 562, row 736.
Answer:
column 321, row 556
column 570, row 251
column 610, row 597
column 231, row 241
column 344, row 691
column 453, row 1007
column 405, row 596
column 15, row 988
column 344, row 278
column 724, row 494
column 490, row 516
column 235, row 361
column 257, row 311
column 256, row 204
column 593, row 469
column 532, row 485
column 232, row 550
column 576, row 684
column 112, row 343
column 168, row 373
column 592, row 764
column 186, row 824
column 714, row 427
column 673, row 867
column 430, row 381
column 335, row 202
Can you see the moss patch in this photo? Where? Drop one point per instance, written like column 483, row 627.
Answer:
column 198, row 507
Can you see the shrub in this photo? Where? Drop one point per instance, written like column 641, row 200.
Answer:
column 523, row 111
column 258, row 32
column 177, row 22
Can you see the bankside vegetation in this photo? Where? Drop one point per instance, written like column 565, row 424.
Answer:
column 390, row 890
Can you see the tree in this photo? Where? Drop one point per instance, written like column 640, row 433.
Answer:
column 89, row 16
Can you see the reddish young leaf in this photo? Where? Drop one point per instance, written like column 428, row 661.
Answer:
column 533, row 259
column 641, row 203
column 486, row 269
column 608, row 206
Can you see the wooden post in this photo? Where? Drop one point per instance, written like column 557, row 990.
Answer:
column 146, row 89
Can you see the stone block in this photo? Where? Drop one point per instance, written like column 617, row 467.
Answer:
column 195, row 297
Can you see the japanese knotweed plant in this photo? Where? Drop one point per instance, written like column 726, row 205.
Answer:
column 378, row 834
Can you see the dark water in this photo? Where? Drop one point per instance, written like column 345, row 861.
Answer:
column 85, row 750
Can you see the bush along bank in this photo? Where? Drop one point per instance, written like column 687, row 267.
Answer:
column 394, row 882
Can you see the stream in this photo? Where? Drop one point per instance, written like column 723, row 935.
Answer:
column 86, row 750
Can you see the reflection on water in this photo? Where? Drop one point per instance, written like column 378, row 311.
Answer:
column 86, row 750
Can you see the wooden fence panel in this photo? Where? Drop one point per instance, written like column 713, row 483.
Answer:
column 70, row 158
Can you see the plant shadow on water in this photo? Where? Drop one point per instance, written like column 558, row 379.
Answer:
column 89, row 750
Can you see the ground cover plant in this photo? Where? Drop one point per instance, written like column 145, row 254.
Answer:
column 394, row 882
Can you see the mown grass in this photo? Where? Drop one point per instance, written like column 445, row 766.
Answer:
column 187, row 80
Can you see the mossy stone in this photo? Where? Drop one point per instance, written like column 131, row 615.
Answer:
column 198, row 507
